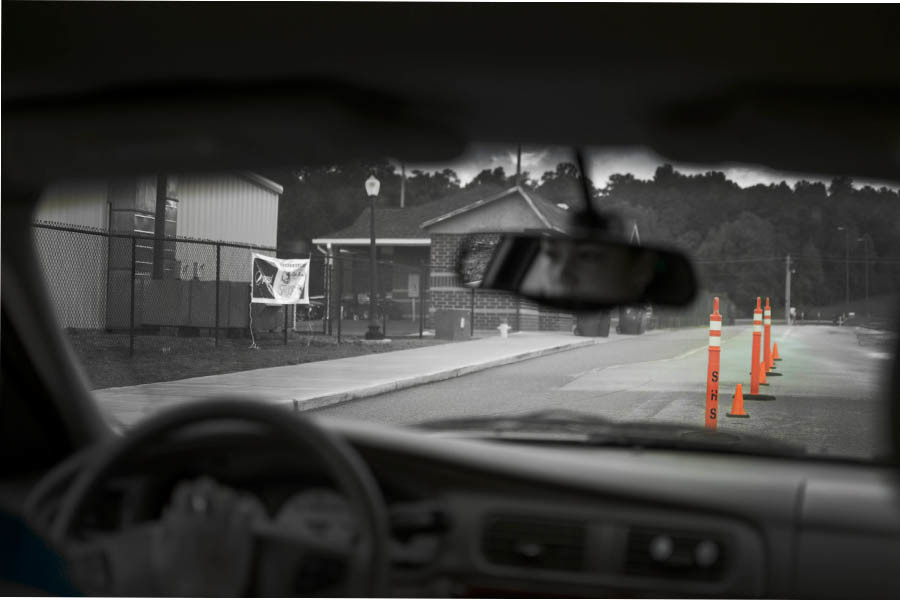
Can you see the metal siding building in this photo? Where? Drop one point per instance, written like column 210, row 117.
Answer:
column 231, row 207
column 238, row 208
column 228, row 208
column 82, row 204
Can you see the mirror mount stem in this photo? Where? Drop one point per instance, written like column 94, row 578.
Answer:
column 588, row 217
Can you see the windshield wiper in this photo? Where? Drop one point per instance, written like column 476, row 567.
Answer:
column 542, row 418
column 572, row 427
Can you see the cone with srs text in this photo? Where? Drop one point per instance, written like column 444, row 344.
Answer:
column 737, row 404
column 762, row 373
column 775, row 352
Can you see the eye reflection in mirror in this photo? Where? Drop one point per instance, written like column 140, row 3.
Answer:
column 588, row 270
column 576, row 273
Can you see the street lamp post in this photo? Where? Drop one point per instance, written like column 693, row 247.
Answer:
column 372, row 188
column 846, row 269
column 865, row 240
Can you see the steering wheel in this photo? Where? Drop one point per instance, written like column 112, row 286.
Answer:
column 121, row 563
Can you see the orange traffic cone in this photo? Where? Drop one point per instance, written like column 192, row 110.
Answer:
column 737, row 405
column 775, row 352
column 762, row 373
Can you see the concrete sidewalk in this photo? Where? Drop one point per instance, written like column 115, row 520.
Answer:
column 317, row 384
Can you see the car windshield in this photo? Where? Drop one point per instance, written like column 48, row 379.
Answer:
column 333, row 290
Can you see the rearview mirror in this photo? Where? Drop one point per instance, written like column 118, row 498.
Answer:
column 576, row 273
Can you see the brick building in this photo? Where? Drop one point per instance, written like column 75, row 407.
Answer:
column 429, row 235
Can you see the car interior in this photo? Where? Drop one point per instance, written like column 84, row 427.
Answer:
column 366, row 509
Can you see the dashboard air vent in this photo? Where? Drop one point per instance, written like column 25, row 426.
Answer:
column 655, row 552
column 535, row 542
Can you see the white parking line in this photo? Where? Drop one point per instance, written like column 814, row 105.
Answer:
column 688, row 353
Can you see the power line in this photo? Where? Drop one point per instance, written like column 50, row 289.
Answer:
column 736, row 260
column 743, row 259
column 884, row 260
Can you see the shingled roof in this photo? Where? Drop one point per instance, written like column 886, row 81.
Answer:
column 551, row 215
column 409, row 225
column 406, row 223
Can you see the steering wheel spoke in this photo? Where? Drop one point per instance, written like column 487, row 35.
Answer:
column 302, row 541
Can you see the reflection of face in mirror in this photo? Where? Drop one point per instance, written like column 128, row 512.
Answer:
column 588, row 271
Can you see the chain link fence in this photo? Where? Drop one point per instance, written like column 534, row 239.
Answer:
column 400, row 307
column 138, row 290
column 135, row 293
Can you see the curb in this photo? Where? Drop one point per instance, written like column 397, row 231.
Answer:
column 402, row 384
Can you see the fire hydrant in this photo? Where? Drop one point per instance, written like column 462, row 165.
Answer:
column 504, row 329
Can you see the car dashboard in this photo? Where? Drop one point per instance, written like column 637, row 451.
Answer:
column 475, row 518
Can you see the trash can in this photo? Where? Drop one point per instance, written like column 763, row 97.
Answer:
column 632, row 320
column 452, row 325
column 593, row 324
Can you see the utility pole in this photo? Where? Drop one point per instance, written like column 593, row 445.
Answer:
column 847, row 268
column 519, row 165
column 865, row 240
column 846, row 231
column 402, row 185
column 787, row 290
column 867, row 280
column 159, row 227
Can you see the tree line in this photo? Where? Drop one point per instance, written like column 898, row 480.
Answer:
column 738, row 237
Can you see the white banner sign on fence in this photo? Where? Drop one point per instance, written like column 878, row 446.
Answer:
column 280, row 281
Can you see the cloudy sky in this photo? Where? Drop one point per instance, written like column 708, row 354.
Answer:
column 640, row 162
